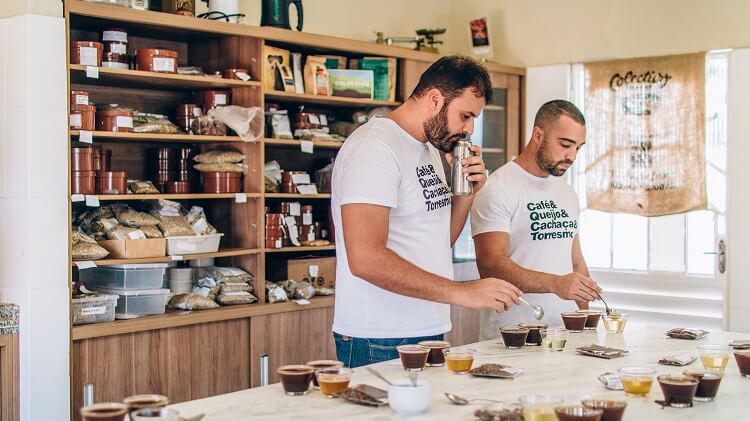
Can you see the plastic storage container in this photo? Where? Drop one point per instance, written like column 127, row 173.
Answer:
column 178, row 246
column 132, row 304
column 125, row 277
column 111, row 182
column 157, row 60
column 94, row 308
column 222, row 182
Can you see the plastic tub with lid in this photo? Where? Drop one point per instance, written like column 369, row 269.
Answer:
column 129, row 277
column 137, row 303
column 94, row 308
column 178, row 246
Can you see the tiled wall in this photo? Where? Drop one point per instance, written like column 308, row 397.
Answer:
column 34, row 206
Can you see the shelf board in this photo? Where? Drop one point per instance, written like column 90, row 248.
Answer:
column 301, row 249
column 157, row 137
column 186, row 196
column 297, row 196
column 493, row 150
column 185, row 318
column 229, row 252
column 327, row 100
column 139, row 78
column 294, row 143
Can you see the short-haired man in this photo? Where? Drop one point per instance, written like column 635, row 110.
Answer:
column 525, row 223
column 395, row 219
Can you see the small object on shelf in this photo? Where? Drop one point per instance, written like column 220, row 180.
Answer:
column 214, row 98
column 139, row 4
column 82, row 117
column 178, row 187
column 197, row 244
column 279, row 125
column 82, row 159
column 153, row 123
column 272, row 55
column 102, row 158
column 157, row 60
column 207, row 126
column 86, row 53
column 125, row 277
column 124, row 3
column 237, row 73
column 113, row 118
column 179, row 7
column 221, row 182
column 138, row 303
column 352, row 83
column 115, row 41
column 142, row 187
column 112, row 182
column 135, row 249
column 316, row 76
column 93, row 308
column 191, row 302
column 115, row 61
column 186, row 113
column 284, row 78
column 79, row 97
column 190, row 71
column 83, row 182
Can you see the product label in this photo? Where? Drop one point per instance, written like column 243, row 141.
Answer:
column 323, row 120
column 313, row 118
column 307, row 189
column 307, row 219
column 92, row 72
column 85, row 136
column 306, row 146
column 301, row 178
column 295, row 209
column 277, row 244
column 163, row 64
column 176, row 258
column 136, row 235
column 311, row 236
column 302, row 302
column 313, row 270
column 81, row 99
column 115, row 65
column 92, row 200
column 77, row 198
column 123, row 121
column 118, row 48
column 220, row 99
column 76, row 121
column 290, row 221
column 240, row 198
column 88, row 56
column 93, row 311
column 116, row 36
column 86, row 264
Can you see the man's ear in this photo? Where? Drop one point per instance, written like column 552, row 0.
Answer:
column 537, row 136
column 435, row 99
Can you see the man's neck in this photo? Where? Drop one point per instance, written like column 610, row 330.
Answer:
column 408, row 117
column 527, row 161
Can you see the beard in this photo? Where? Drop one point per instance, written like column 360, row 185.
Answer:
column 547, row 163
column 437, row 133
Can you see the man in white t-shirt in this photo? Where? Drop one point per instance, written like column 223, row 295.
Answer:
column 525, row 223
column 395, row 219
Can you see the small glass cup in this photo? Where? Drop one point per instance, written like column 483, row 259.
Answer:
column 578, row 413
column 613, row 410
column 615, row 323
column 592, row 319
column 435, row 358
column 714, row 357
column 708, row 383
column 514, row 337
column 535, row 332
column 679, row 390
column 413, row 357
column 743, row 362
column 637, row 381
column 539, row 407
column 554, row 338
column 321, row 364
column 137, row 402
column 296, row 379
column 155, row 414
column 574, row 321
column 458, row 360
column 113, row 411
column 333, row 381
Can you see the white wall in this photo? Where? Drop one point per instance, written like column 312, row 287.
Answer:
column 543, row 84
column 34, row 206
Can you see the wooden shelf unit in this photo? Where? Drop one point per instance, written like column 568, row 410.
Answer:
column 173, row 196
column 301, row 249
column 228, row 252
column 294, row 143
column 327, row 100
column 156, row 137
column 297, row 196
column 143, row 79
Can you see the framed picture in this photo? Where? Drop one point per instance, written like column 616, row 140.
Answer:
column 480, row 37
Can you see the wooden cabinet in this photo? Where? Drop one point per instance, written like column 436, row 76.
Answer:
column 9, row 378
column 465, row 323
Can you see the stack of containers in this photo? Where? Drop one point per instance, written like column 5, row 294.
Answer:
column 82, row 113
column 83, row 175
column 276, row 235
column 163, row 167
column 186, row 175
column 115, row 42
column 181, row 280
column 138, row 287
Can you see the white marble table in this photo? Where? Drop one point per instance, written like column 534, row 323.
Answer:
column 564, row 373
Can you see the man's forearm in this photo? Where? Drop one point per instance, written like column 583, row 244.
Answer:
column 524, row 279
column 460, row 208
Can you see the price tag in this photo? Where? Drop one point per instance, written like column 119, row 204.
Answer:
column 240, row 198
column 302, row 302
column 323, row 120
column 307, row 219
column 313, row 270
column 295, row 209
column 306, row 146
column 85, row 136
column 92, row 72
column 290, row 221
column 85, row 264
column 77, row 198
column 314, row 119
column 136, row 235
column 92, row 200
column 301, row 178
column 307, row 189
column 176, row 258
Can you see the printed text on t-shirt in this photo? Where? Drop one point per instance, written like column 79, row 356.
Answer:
column 548, row 221
column 435, row 192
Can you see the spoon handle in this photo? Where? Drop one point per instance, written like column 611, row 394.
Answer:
column 606, row 307
column 485, row 400
column 525, row 302
column 377, row 374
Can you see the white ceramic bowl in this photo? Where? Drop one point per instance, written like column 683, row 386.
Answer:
column 406, row 399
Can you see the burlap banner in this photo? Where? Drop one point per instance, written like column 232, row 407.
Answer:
column 646, row 140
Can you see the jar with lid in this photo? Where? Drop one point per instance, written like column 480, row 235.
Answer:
column 115, row 61
column 157, row 60
column 112, row 118
column 111, row 182
column 307, row 215
column 78, row 97
column 186, row 113
column 86, row 53
column 115, row 41
column 82, row 117
column 213, row 99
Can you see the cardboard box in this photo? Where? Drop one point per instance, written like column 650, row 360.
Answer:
column 299, row 270
column 134, row 249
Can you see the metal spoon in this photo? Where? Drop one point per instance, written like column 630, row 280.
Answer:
column 607, row 309
column 377, row 374
column 458, row 400
column 413, row 378
column 538, row 310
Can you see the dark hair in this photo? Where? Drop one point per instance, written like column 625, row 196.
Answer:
column 452, row 75
column 551, row 111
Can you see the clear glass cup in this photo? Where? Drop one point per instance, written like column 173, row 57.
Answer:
column 554, row 338
column 714, row 357
column 112, row 411
column 413, row 357
column 155, row 414
column 540, row 407
column 615, row 323
column 578, row 413
column 459, row 360
column 333, row 381
column 743, row 362
column 637, row 381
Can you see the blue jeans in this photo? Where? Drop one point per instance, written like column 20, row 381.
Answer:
column 356, row 352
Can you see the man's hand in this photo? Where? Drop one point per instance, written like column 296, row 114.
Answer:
column 491, row 293
column 575, row 286
column 474, row 166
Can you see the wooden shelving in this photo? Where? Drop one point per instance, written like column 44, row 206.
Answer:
column 186, row 196
column 141, row 79
column 301, row 249
column 157, row 137
column 297, row 196
column 295, row 143
column 230, row 252
column 327, row 100
column 185, row 318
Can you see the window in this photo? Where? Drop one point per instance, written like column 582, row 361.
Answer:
column 675, row 243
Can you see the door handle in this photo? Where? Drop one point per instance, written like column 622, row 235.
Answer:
column 722, row 254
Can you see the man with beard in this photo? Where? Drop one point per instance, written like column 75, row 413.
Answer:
column 396, row 220
column 525, row 223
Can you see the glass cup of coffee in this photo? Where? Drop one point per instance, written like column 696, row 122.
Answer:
column 413, row 357
column 678, row 390
column 296, row 379
column 714, row 357
column 113, row 411
column 155, row 414
column 514, row 337
column 333, row 381
column 535, row 332
column 554, row 338
column 459, row 360
column 137, row 402
column 539, row 407
column 637, row 381
column 592, row 318
column 321, row 364
column 577, row 413
column 615, row 323
column 435, row 358
column 708, row 383
column 743, row 362
column 612, row 410
column 574, row 321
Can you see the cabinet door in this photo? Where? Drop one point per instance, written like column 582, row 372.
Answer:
column 294, row 337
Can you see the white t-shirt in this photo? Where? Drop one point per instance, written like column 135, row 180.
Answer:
column 382, row 164
column 541, row 216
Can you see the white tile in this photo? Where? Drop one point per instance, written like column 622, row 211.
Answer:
column 48, row 219
column 47, row 152
column 16, row 243
column 16, row 64
column 50, row 327
column 46, row 71
column 50, row 399
column 16, row 151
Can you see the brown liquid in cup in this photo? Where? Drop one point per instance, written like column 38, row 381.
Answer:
column 322, row 364
column 678, row 390
column 104, row 412
column 535, row 335
column 436, row 358
column 743, row 362
column 296, row 379
column 413, row 357
column 708, row 383
column 514, row 337
column 592, row 318
column 145, row 401
column 577, row 413
column 613, row 410
column 574, row 322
